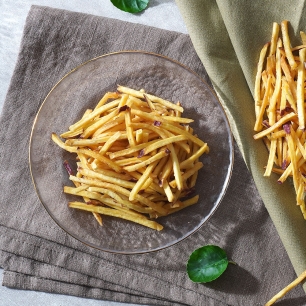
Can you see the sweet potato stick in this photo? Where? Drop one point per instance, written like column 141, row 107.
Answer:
column 116, row 213
column 271, row 157
column 300, row 90
column 287, row 46
column 142, row 180
column 139, row 94
column 150, row 204
column 94, row 114
column 102, row 159
column 103, row 120
column 61, row 144
column 274, row 38
column 278, row 124
column 292, row 285
column 277, row 88
column 106, row 97
column 263, row 106
column 152, row 159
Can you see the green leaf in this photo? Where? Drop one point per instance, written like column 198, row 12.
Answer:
column 131, row 6
column 206, row 264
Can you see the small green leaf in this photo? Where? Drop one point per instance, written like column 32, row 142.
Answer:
column 130, row 6
column 206, row 264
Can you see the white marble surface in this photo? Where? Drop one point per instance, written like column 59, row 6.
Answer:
column 160, row 13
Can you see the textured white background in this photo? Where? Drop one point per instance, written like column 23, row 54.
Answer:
column 160, row 13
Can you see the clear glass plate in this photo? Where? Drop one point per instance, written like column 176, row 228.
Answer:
column 81, row 89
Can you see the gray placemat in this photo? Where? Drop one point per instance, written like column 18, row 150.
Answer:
column 38, row 255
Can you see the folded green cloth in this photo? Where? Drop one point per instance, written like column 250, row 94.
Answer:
column 228, row 36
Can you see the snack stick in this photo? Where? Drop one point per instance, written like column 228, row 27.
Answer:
column 287, row 46
column 139, row 94
column 300, row 90
column 129, row 149
column 116, row 213
column 274, row 38
column 94, row 114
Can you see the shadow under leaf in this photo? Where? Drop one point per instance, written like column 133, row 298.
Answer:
column 229, row 284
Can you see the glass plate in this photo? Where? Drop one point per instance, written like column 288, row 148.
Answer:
column 81, row 89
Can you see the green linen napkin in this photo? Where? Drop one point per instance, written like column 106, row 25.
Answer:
column 228, row 36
